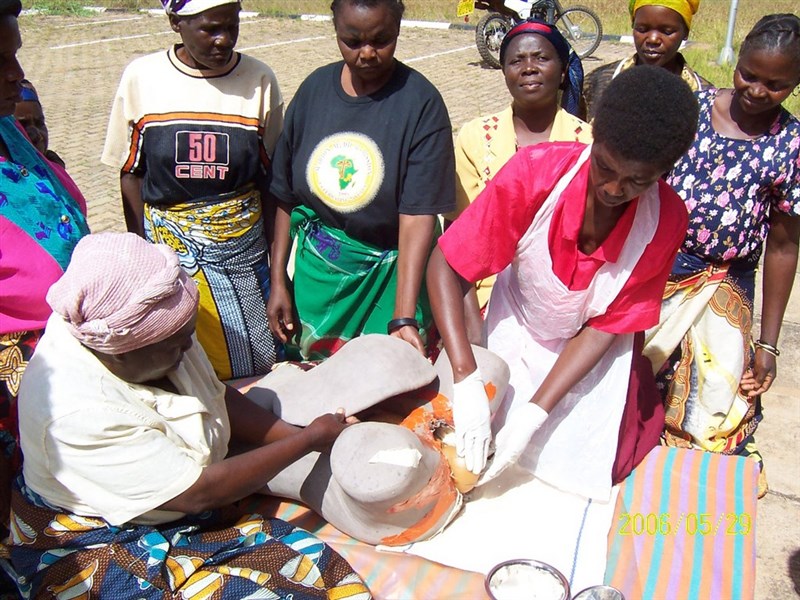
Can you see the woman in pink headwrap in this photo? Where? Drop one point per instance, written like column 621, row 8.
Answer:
column 126, row 431
column 659, row 29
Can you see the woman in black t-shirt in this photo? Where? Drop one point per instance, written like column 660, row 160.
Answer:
column 362, row 168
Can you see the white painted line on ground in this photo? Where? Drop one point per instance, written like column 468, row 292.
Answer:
column 116, row 39
column 434, row 55
column 85, row 23
column 403, row 23
column 297, row 41
column 316, row 18
column 424, row 24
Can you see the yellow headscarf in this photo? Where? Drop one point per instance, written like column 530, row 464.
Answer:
column 685, row 8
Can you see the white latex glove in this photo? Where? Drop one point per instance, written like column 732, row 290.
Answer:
column 472, row 421
column 514, row 437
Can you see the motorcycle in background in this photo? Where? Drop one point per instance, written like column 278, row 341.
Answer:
column 579, row 25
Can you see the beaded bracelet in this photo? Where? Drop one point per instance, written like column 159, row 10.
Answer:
column 401, row 322
column 768, row 348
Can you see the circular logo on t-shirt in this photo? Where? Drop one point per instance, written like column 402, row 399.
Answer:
column 345, row 171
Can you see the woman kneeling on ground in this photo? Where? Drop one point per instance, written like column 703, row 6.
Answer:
column 583, row 238
column 125, row 430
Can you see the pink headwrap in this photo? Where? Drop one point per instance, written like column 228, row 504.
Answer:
column 120, row 293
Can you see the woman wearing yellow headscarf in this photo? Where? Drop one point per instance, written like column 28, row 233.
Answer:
column 659, row 29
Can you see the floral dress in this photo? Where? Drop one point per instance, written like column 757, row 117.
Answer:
column 730, row 187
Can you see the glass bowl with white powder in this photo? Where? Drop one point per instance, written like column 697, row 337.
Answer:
column 526, row 579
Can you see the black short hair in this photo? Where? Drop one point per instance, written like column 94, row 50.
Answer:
column 396, row 6
column 775, row 33
column 10, row 8
column 647, row 114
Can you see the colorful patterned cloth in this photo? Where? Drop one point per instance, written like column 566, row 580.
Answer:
column 206, row 556
column 221, row 244
column 343, row 288
column 389, row 575
column 703, row 343
column 16, row 350
column 685, row 527
column 33, row 198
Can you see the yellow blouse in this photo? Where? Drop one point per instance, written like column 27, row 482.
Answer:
column 484, row 145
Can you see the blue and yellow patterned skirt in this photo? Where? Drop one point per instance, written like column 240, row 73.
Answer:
column 211, row 556
column 222, row 245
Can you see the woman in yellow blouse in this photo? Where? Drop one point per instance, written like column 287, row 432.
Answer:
column 544, row 78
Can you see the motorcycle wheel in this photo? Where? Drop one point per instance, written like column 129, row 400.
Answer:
column 489, row 34
column 582, row 29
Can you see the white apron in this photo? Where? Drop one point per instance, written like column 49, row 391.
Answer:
column 530, row 318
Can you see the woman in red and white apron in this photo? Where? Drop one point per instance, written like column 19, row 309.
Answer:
column 583, row 238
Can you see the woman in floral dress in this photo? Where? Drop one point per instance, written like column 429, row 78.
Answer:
column 740, row 181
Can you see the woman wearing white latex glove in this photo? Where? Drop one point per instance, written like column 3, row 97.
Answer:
column 472, row 421
column 583, row 238
column 514, row 438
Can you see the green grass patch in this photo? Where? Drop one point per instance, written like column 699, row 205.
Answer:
column 74, row 8
column 709, row 29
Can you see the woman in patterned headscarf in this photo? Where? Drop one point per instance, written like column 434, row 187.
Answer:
column 544, row 77
column 659, row 29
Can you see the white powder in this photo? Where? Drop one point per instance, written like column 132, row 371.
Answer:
column 525, row 582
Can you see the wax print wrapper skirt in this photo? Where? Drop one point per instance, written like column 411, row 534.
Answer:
column 709, row 310
column 208, row 556
column 221, row 243
column 343, row 288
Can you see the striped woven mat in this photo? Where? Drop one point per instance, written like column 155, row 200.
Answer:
column 686, row 527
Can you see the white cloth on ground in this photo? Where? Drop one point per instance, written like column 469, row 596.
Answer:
column 519, row 516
